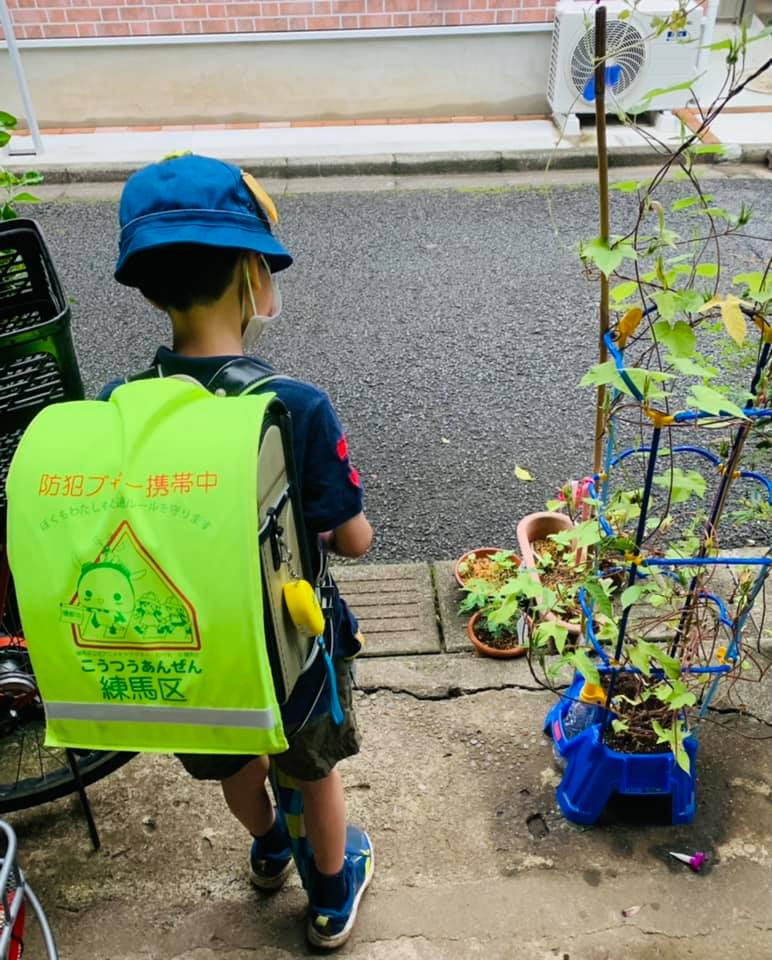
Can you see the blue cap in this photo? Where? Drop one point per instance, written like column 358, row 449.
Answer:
column 191, row 199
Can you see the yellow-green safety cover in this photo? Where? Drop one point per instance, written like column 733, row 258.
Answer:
column 133, row 542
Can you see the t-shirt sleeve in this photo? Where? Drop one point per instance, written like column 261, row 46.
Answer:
column 332, row 488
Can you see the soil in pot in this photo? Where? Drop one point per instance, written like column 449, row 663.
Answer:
column 504, row 641
column 505, row 645
column 640, row 738
column 559, row 574
column 483, row 567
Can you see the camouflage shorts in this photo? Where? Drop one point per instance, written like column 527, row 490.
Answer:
column 313, row 752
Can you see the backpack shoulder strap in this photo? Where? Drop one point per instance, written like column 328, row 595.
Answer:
column 241, row 375
column 235, row 377
column 150, row 374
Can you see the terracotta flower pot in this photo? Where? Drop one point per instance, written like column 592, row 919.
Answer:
column 480, row 552
column 538, row 526
column 483, row 648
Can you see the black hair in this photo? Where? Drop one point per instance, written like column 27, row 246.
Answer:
column 183, row 275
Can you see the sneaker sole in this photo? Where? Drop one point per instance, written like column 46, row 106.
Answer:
column 268, row 884
column 332, row 943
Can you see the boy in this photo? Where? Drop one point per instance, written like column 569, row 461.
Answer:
column 196, row 241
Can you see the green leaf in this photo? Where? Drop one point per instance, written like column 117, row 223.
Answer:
column 709, row 270
column 623, row 290
column 620, row 726
column 711, row 401
column 585, row 666
column 753, row 282
column 684, row 203
column 7, row 119
column 522, row 474
column 689, row 368
column 720, row 45
column 4, row 138
column 707, row 148
column 682, row 758
column 679, row 338
column 681, row 700
column 503, row 559
column 675, row 737
column 718, row 213
column 550, row 630
column 643, row 379
column 25, row 198
column 600, row 600
column 607, row 258
column 684, row 484
column 670, row 665
column 639, row 658
column 31, row 178
column 631, row 595
column 667, row 304
column 585, row 534
column 601, row 374
column 503, row 613
column 662, row 735
column 661, row 91
column 675, row 694
column 690, row 300
column 627, row 186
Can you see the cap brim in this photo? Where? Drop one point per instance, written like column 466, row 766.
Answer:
column 150, row 232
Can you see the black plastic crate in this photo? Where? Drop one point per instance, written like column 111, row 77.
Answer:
column 37, row 359
column 8, row 444
column 30, row 381
column 31, row 296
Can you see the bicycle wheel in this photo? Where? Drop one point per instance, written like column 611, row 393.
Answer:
column 30, row 772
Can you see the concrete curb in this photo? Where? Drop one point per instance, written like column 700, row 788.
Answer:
column 412, row 164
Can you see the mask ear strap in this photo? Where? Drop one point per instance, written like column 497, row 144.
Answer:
column 250, row 291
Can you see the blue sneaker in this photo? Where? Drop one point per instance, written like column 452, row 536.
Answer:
column 268, row 871
column 329, row 928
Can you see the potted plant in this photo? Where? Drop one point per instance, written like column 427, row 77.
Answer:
column 492, row 638
column 492, row 564
column 493, row 628
column 682, row 413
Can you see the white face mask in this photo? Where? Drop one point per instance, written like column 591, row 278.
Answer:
column 258, row 321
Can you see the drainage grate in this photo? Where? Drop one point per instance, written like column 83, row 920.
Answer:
column 394, row 604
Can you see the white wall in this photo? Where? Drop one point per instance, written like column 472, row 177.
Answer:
column 247, row 79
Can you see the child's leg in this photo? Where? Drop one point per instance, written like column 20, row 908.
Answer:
column 325, row 820
column 247, row 797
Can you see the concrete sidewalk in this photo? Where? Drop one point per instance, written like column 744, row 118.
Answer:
column 402, row 147
column 457, row 788
column 378, row 148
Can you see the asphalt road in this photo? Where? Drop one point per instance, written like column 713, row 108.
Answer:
column 450, row 327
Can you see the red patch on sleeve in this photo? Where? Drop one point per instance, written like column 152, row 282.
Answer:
column 342, row 448
column 354, row 477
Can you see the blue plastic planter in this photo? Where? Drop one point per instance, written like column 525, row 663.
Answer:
column 594, row 772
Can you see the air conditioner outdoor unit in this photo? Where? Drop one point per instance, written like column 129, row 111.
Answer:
column 639, row 60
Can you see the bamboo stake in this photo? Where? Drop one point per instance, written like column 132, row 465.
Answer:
column 600, row 129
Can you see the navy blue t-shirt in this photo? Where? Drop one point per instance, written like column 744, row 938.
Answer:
column 331, row 488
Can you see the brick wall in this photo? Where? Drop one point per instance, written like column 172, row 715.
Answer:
column 45, row 19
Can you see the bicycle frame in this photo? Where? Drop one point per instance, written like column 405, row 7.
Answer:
column 13, row 903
